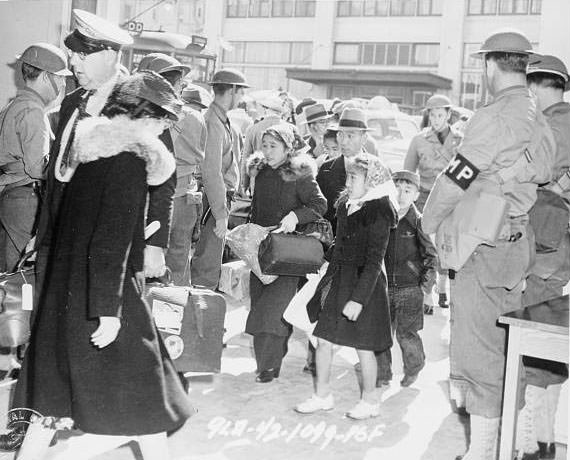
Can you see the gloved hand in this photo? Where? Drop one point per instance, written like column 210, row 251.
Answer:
column 107, row 331
column 289, row 223
column 221, row 228
column 154, row 263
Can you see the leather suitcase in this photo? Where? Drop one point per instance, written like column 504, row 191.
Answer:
column 290, row 254
column 191, row 323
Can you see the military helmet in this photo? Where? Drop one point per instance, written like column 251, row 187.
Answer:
column 229, row 77
column 549, row 64
column 438, row 101
column 509, row 41
column 46, row 56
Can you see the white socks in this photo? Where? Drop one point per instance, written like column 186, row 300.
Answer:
column 484, row 436
column 527, row 441
column 545, row 414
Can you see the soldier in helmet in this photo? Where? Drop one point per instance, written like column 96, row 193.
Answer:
column 508, row 146
column 548, row 78
column 220, row 176
column 24, row 146
column 429, row 154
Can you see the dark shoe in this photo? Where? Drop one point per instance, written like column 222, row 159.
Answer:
column 383, row 383
column 267, row 375
column 408, row 380
column 428, row 309
column 443, row 303
column 459, row 457
column 533, row 456
column 546, row 450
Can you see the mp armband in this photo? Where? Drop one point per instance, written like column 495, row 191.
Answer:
column 461, row 171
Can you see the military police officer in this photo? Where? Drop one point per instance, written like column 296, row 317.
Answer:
column 548, row 78
column 506, row 142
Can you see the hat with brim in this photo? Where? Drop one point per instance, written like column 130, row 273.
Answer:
column 550, row 65
column 408, row 176
column 274, row 103
column 93, row 34
column 353, row 118
column 149, row 86
column 47, row 57
column 162, row 63
column 316, row 112
column 505, row 41
column 193, row 96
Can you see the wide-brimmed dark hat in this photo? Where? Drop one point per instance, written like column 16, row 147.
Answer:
column 191, row 94
column 352, row 118
column 93, row 33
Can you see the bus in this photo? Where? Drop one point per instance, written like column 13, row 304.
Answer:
column 188, row 50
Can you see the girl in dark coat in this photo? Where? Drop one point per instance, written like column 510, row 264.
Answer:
column 95, row 354
column 353, row 292
column 285, row 194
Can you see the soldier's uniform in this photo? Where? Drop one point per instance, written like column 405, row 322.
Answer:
column 509, row 144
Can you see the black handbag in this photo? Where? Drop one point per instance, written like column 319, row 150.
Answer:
column 290, row 254
column 320, row 229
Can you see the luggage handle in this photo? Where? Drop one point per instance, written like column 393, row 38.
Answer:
column 23, row 260
column 195, row 304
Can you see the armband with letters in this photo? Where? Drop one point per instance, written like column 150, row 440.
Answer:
column 461, row 171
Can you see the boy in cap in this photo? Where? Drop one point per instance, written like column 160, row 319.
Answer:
column 24, row 145
column 410, row 265
column 548, row 79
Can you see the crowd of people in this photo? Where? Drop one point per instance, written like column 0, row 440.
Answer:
column 128, row 151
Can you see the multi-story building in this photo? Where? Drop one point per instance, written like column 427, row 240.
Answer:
column 403, row 49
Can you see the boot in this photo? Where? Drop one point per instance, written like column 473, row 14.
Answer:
column 527, row 443
column 544, row 421
column 443, row 302
column 484, row 434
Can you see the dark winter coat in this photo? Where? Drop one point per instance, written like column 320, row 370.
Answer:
column 290, row 187
column 332, row 180
column 129, row 387
column 411, row 258
column 356, row 273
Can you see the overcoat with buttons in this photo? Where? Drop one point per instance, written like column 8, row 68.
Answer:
column 357, row 273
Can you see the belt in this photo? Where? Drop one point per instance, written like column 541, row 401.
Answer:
column 33, row 185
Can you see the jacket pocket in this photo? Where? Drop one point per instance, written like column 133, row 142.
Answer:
column 503, row 266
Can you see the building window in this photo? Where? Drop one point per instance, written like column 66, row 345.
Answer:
column 535, row 6
column 513, row 7
column 420, row 98
column 269, row 53
column 430, row 7
column 283, row 8
column 347, row 53
column 482, row 7
column 376, row 7
column 259, row 8
column 393, row 54
column 426, row 54
column 237, row 8
column 305, row 8
column 350, row 7
column 470, row 62
column 403, row 7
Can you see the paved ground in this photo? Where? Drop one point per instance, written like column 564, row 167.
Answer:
column 240, row 419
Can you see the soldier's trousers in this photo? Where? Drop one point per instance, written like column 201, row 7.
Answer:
column 486, row 287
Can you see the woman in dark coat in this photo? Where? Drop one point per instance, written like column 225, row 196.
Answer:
column 353, row 292
column 95, row 354
column 285, row 194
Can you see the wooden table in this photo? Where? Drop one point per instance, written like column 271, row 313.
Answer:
column 541, row 331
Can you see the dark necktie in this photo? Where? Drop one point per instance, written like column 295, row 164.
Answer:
column 82, row 113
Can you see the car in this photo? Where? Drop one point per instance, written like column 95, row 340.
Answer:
column 392, row 131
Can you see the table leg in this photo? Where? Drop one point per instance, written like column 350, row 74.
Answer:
column 511, row 394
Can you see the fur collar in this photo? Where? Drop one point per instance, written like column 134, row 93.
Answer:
column 296, row 167
column 100, row 137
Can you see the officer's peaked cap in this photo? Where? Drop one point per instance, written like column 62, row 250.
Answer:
column 92, row 33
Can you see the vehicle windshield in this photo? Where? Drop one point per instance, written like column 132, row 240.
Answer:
column 392, row 128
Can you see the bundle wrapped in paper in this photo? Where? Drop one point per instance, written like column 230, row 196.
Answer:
column 244, row 241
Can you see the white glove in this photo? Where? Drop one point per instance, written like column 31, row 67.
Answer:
column 288, row 223
column 107, row 331
column 221, row 228
column 154, row 263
